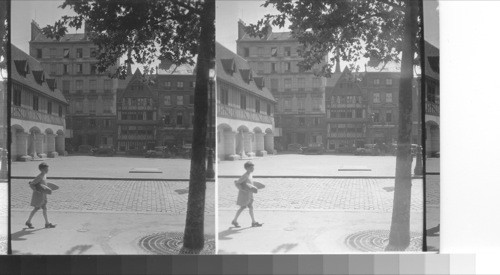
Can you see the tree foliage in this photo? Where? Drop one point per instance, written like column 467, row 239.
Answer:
column 140, row 31
column 3, row 34
column 351, row 28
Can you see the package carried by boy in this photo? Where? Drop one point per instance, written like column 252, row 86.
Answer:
column 40, row 188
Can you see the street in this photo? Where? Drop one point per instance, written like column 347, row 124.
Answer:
column 102, row 216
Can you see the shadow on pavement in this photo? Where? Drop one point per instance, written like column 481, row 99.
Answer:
column 231, row 231
column 433, row 232
column 182, row 191
column 284, row 248
column 17, row 236
column 78, row 249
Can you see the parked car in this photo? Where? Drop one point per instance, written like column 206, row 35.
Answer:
column 413, row 150
column 158, row 152
column 369, row 149
column 86, row 149
column 313, row 148
column 294, row 147
column 104, row 150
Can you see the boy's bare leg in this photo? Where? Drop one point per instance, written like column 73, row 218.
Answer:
column 250, row 209
column 44, row 208
column 33, row 212
column 238, row 213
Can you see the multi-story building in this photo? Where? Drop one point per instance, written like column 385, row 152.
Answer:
column 38, row 110
column 245, row 109
column 91, row 94
column 347, row 116
column 300, row 94
column 382, row 88
column 137, row 115
column 175, row 87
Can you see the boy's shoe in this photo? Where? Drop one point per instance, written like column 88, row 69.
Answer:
column 49, row 225
column 235, row 224
column 29, row 225
column 256, row 224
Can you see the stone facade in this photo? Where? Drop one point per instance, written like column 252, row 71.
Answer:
column 91, row 95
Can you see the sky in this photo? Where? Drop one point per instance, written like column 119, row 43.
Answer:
column 228, row 13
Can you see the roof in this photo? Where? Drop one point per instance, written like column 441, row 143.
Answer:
column 69, row 37
column 273, row 36
column 234, row 69
column 390, row 67
column 167, row 68
column 432, row 61
column 19, row 59
column 137, row 77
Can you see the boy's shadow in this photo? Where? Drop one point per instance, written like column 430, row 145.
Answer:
column 17, row 236
column 224, row 235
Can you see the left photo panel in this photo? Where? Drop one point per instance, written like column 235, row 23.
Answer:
column 4, row 5
column 111, row 128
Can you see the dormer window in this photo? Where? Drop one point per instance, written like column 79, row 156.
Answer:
column 228, row 65
column 39, row 77
column 22, row 67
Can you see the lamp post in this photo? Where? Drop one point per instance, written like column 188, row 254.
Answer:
column 210, row 162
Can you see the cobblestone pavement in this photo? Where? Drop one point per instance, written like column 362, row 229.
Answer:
column 168, row 197
column 3, row 217
column 355, row 194
column 433, row 190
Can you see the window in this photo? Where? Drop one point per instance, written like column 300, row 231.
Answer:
column 38, row 53
column 60, row 111
column 273, row 68
column 167, row 84
column 260, row 51
column 388, row 82
column 288, row 104
column 376, row 98
column 180, row 100
column 149, row 115
column 301, row 102
column 35, row 102
column 52, row 52
column 288, row 84
column 79, row 85
column 376, row 117
column 316, row 102
column 79, row 53
column 388, row 116
column 268, row 109
column 288, row 51
column 107, row 106
column 53, row 69
column 302, row 121
column 66, row 86
column 179, row 118
column 274, row 85
column 301, row 83
column 79, row 68
column 359, row 113
column 107, row 84
column 274, row 51
column 180, row 84
column 246, row 52
column 79, row 106
column 316, row 83
column 257, row 105
column 166, row 118
column 316, row 121
column 376, row 82
column 191, row 99
column 66, row 53
column 93, row 69
column 243, row 102
column 224, row 97
column 193, row 84
column 92, row 85
column 49, row 108
column 388, row 97
column 92, row 123
column 287, row 66
column 17, row 97
column 260, row 67
column 65, row 69
column 92, row 105
column 166, row 100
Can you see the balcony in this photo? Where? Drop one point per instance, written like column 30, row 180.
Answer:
column 236, row 113
column 431, row 108
column 32, row 115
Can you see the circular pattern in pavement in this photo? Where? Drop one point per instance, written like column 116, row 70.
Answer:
column 168, row 243
column 377, row 240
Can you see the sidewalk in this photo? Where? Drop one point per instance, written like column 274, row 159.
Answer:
column 310, row 232
column 91, row 233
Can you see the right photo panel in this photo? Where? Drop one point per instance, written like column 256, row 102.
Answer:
column 327, row 128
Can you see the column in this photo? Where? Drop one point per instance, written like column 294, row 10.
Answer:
column 22, row 145
column 259, row 144
column 269, row 143
column 39, row 141
column 240, row 150
column 230, row 145
column 13, row 146
column 32, row 145
column 60, row 146
column 247, row 143
column 51, row 146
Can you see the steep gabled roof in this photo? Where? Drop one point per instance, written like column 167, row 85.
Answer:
column 241, row 74
column 69, row 37
column 22, row 61
column 432, row 61
column 137, row 78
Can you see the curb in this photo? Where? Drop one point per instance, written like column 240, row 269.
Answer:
column 96, row 178
column 320, row 177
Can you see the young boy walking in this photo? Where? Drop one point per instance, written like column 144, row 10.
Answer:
column 39, row 197
column 245, row 194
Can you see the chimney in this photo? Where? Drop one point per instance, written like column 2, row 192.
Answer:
column 241, row 29
column 129, row 69
column 35, row 30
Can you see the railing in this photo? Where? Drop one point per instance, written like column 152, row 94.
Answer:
column 32, row 115
column 431, row 108
column 235, row 113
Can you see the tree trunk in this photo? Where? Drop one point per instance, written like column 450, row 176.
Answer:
column 399, row 237
column 194, row 230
